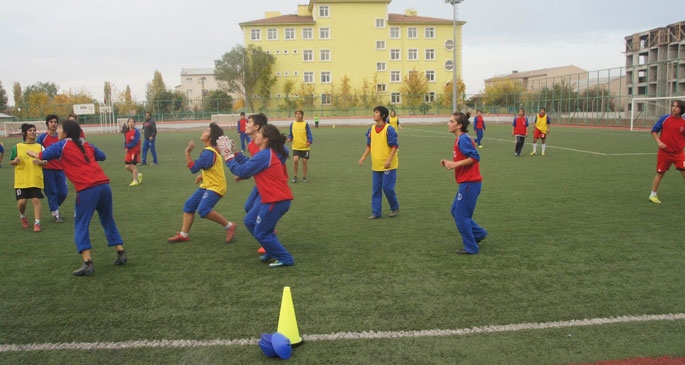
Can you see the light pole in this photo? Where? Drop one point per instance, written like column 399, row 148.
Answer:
column 454, row 52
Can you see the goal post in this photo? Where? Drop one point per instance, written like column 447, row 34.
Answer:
column 650, row 107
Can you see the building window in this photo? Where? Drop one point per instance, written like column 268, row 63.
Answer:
column 394, row 32
column 395, row 76
column 307, row 33
column 294, row 51
column 325, row 99
column 325, row 55
column 430, row 76
column 429, row 33
column 286, row 73
column 323, row 11
column 380, row 88
column 449, row 44
column 413, row 54
column 255, row 34
column 324, row 33
column 395, row 54
column 380, row 66
column 308, row 77
column 289, row 34
column 449, row 65
column 189, row 79
column 412, row 33
column 307, row 55
column 278, row 74
column 380, row 23
column 430, row 54
column 395, row 98
column 272, row 34
column 278, row 51
column 325, row 77
column 430, row 97
column 296, row 73
column 380, row 44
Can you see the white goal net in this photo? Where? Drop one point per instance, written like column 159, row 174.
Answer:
column 644, row 112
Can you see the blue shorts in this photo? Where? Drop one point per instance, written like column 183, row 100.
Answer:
column 202, row 201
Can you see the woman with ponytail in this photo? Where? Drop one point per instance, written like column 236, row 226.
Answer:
column 93, row 193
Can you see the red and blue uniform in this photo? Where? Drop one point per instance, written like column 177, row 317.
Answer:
column 132, row 145
column 479, row 126
column 54, row 179
column 93, row 192
column 520, row 125
column 671, row 131
column 244, row 137
column 470, row 184
column 274, row 199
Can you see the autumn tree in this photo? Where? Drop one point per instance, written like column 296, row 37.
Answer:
column 561, row 97
column 505, row 93
column 125, row 105
column 344, row 99
column 169, row 102
column 288, row 91
column 367, row 94
column 47, row 88
column 246, row 71
column 17, row 93
column 155, row 89
column 306, row 93
column 108, row 92
column 414, row 89
column 445, row 99
column 596, row 99
column 3, row 98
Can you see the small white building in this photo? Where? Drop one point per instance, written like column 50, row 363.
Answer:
column 197, row 83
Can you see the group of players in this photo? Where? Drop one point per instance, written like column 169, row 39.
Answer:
column 55, row 155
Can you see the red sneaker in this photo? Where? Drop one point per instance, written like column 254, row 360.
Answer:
column 230, row 233
column 178, row 238
column 25, row 222
column 36, row 227
column 261, row 251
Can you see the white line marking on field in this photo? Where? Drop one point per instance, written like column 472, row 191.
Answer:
column 342, row 335
column 582, row 151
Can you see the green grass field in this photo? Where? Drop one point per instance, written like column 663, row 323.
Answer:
column 572, row 236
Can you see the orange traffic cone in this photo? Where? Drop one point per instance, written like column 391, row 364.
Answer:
column 287, row 322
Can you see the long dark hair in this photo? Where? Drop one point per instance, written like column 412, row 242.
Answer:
column 463, row 119
column 73, row 131
column 276, row 139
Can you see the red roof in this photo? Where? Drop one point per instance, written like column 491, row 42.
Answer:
column 283, row 19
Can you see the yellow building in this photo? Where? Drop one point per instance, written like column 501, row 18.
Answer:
column 329, row 40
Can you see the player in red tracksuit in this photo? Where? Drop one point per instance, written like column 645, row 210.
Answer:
column 479, row 126
column 466, row 165
column 520, row 131
column 669, row 134
column 93, row 193
column 274, row 193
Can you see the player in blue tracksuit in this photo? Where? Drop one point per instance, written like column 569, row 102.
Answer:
column 274, row 193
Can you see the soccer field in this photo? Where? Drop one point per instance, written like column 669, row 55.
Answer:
column 572, row 236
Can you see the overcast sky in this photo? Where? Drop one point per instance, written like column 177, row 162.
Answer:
column 80, row 44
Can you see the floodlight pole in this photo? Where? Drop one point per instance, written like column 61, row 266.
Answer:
column 454, row 3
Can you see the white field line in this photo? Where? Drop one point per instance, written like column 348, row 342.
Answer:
column 447, row 134
column 342, row 335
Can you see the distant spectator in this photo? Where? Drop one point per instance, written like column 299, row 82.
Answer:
column 244, row 137
column 150, row 136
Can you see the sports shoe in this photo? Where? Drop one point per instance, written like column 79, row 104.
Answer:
column 261, row 251
column 140, row 178
column 276, row 264
column 532, row 153
column 134, row 183
column 654, row 199
column 58, row 218
column 178, row 238
column 543, row 153
column 230, row 233
column 304, row 179
column 121, row 258
column 25, row 222
column 86, row 269
column 295, row 180
column 463, row 252
column 143, row 163
column 372, row 217
column 36, row 227
column 480, row 146
column 393, row 213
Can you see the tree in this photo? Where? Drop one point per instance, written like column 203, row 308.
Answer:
column 414, row 89
column 288, row 90
column 16, row 90
column 505, row 93
column 561, row 97
column 246, row 71
column 47, row 88
column 218, row 101
column 169, row 102
column 108, row 92
column 368, row 93
column 125, row 104
column 596, row 99
column 344, row 99
column 3, row 98
column 445, row 99
column 155, row 88
column 306, row 93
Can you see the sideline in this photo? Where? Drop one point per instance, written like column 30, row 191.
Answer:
column 342, row 335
